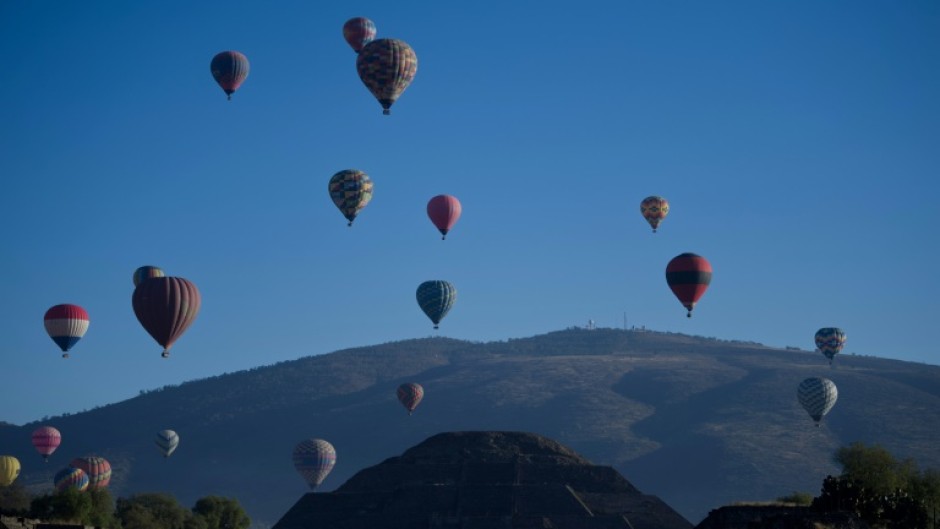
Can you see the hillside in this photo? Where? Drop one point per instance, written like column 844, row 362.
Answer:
column 698, row 422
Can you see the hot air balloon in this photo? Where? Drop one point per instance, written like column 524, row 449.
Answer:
column 688, row 276
column 9, row 470
column 46, row 439
column 350, row 190
column 654, row 209
column 96, row 468
column 410, row 395
column 147, row 272
column 71, row 477
column 314, row 459
column 358, row 32
column 230, row 69
column 387, row 67
column 444, row 210
column 66, row 324
column 436, row 298
column 817, row 396
column 166, row 307
column 167, row 441
column 830, row 341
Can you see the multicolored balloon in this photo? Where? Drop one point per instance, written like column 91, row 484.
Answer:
column 96, row 468
column 410, row 395
column 817, row 396
column 71, row 477
column 45, row 440
column 167, row 441
column 358, row 32
column 387, row 67
column 654, row 209
column 147, row 272
column 166, row 307
column 314, row 459
column 436, row 299
column 830, row 341
column 351, row 190
column 66, row 324
column 229, row 69
column 9, row 470
column 444, row 210
column 688, row 275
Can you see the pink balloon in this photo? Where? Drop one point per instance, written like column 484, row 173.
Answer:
column 444, row 210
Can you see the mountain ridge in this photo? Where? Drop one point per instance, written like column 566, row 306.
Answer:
column 697, row 421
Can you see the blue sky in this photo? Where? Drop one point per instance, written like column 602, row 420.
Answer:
column 796, row 142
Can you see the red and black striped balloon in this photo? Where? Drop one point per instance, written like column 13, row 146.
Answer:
column 688, row 276
column 166, row 307
column 229, row 69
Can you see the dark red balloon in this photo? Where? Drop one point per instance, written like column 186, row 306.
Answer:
column 410, row 395
column 166, row 307
column 688, row 276
column 230, row 69
column 358, row 32
column 444, row 210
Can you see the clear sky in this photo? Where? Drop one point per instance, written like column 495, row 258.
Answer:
column 798, row 143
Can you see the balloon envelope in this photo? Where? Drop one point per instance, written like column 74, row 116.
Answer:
column 66, row 324
column 147, row 272
column 436, row 299
column 358, row 32
column 229, row 69
column 166, row 307
column 71, row 477
column 351, row 190
column 167, row 441
column 314, row 459
column 654, row 209
column 9, row 470
column 387, row 67
column 410, row 395
column 444, row 210
column 830, row 341
column 96, row 468
column 45, row 440
column 817, row 396
column 688, row 276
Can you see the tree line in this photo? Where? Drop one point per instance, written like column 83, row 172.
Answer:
column 878, row 488
column 97, row 508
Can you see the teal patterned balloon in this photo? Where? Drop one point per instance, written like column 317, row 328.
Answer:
column 436, row 299
column 817, row 396
column 387, row 67
column 830, row 341
column 350, row 190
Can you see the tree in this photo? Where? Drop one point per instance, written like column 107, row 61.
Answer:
column 70, row 505
column 883, row 491
column 14, row 500
column 798, row 498
column 926, row 486
column 875, row 468
column 152, row 511
column 221, row 513
column 102, row 510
